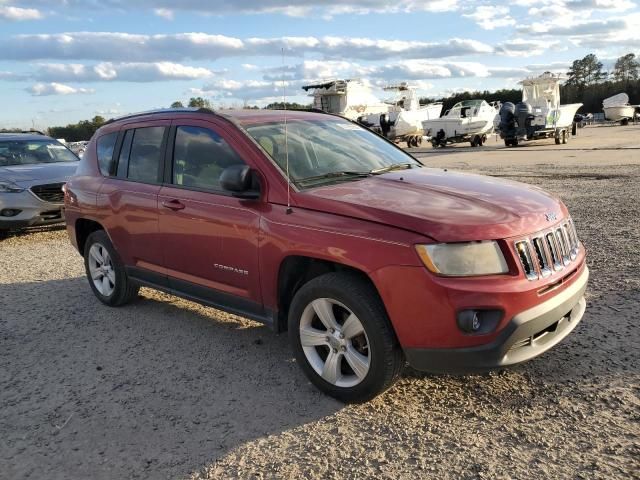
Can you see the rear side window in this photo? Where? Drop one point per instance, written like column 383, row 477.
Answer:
column 145, row 156
column 106, row 145
column 200, row 155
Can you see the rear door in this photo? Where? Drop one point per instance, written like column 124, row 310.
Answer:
column 210, row 238
column 131, row 195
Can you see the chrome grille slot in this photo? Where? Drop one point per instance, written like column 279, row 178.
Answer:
column 563, row 246
column 573, row 250
column 541, row 254
column 553, row 250
column 528, row 266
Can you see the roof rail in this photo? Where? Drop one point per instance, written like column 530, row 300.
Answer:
column 34, row 132
column 162, row 110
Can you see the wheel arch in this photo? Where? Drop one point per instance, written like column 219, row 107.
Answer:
column 85, row 227
column 297, row 270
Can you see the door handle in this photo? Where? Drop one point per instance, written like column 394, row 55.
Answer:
column 173, row 205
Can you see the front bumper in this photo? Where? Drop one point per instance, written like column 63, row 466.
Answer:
column 528, row 334
column 33, row 211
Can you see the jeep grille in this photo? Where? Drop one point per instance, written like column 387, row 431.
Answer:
column 548, row 251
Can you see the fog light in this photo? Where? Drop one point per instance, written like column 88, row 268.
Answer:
column 9, row 212
column 477, row 322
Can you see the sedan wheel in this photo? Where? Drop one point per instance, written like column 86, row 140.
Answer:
column 334, row 342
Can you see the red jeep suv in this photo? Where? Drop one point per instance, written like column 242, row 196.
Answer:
column 312, row 224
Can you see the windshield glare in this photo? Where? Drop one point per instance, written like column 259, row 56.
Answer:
column 29, row 152
column 319, row 147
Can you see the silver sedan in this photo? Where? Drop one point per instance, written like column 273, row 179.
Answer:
column 33, row 170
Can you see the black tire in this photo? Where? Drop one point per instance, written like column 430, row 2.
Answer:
column 386, row 359
column 4, row 234
column 124, row 291
column 624, row 122
column 557, row 139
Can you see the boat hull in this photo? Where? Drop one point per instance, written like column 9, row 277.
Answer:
column 617, row 113
column 456, row 127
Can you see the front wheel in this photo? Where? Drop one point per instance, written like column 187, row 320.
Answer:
column 342, row 338
column 106, row 273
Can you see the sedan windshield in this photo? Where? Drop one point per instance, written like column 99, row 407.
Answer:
column 29, row 152
column 328, row 150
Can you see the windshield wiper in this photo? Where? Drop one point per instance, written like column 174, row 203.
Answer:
column 393, row 166
column 330, row 175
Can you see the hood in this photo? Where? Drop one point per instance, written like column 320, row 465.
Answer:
column 39, row 172
column 446, row 206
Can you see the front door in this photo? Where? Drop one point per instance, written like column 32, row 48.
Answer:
column 210, row 237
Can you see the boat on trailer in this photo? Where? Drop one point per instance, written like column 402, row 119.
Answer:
column 349, row 98
column 467, row 121
column 404, row 117
column 539, row 115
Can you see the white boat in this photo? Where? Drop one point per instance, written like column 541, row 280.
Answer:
column 469, row 120
column 543, row 94
column 617, row 108
column 349, row 98
column 539, row 114
column 404, row 116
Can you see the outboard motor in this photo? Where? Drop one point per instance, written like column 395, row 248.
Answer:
column 385, row 124
column 524, row 116
column 507, row 119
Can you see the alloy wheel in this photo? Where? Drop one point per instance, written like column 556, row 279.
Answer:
column 334, row 342
column 101, row 269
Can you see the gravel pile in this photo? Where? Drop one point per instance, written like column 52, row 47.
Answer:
column 165, row 388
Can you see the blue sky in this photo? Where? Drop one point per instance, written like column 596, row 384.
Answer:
column 66, row 60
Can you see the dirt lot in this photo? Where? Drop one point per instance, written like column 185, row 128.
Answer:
column 165, row 388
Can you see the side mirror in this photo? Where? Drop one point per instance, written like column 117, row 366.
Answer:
column 239, row 180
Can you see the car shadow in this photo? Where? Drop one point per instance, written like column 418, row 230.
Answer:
column 153, row 389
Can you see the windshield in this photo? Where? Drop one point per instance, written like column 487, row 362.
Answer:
column 327, row 146
column 29, row 152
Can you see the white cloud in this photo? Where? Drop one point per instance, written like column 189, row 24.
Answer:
column 45, row 89
column 293, row 8
column 16, row 14
column 124, row 72
column 125, row 47
column 529, row 47
column 563, row 27
column 164, row 13
column 490, row 17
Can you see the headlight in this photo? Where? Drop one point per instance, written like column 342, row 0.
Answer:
column 463, row 259
column 8, row 187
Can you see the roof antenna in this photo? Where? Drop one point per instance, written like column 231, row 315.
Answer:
column 286, row 144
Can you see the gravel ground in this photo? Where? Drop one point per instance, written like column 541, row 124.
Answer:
column 165, row 388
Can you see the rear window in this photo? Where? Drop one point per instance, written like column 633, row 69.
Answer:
column 105, row 146
column 146, row 154
column 30, row 152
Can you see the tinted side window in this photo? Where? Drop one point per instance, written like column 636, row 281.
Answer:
column 146, row 154
column 199, row 157
column 105, row 146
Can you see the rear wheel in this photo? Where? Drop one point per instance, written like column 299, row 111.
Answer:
column 342, row 338
column 106, row 273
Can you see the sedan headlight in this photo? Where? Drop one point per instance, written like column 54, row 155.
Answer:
column 463, row 259
column 8, row 187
